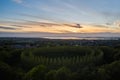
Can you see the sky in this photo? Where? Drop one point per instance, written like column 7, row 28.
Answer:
column 60, row 16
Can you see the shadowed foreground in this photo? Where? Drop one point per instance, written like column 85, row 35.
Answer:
column 60, row 63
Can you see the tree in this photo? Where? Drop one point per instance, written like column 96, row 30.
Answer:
column 63, row 74
column 37, row 73
column 6, row 72
column 50, row 75
column 113, row 70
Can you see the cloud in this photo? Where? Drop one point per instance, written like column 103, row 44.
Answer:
column 62, row 11
column 42, row 17
column 74, row 25
column 45, row 24
column 18, row 1
column 8, row 28
column 111, row 14
column 100, row 26
column 117, row 23
column 111, row 17
column 21, row 26
column 22, row 23
column 67, row 11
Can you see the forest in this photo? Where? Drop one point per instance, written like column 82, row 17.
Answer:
column 60, row 63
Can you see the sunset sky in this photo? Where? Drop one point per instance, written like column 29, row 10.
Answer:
column 60, row 16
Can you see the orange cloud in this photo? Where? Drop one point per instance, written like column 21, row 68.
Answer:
column 36, row 26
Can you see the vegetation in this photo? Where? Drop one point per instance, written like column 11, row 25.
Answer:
column 60, row 63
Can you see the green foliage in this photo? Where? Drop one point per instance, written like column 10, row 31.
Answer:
column 51, row 75
column 36, row 73
column 113, row 70
column 7, row 73
column 63, row 74
column 60, row 63
column 108, row 54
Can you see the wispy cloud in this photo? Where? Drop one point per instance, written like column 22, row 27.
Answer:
column 18, row 1
column 21, row 26
column 63, row 11
column 8, row 28
column 33, row 23
column 62, row 16
column 74, row 25
column 117, row 23
column 100, row 26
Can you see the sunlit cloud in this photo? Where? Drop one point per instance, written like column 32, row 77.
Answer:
column 21, row 26
column 36, row 26
column 61, row 16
